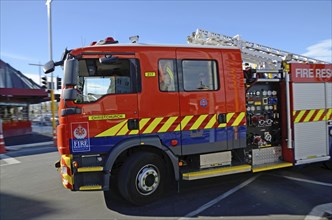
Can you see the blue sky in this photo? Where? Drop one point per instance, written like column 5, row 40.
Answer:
column 302, row 27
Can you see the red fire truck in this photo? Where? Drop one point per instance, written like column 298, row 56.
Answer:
column 137, row 115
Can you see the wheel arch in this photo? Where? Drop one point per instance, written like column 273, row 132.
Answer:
column 148, row 144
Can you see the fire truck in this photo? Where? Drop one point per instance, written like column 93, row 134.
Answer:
column 138, row 116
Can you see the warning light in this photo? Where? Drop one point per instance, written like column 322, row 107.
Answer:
column 110, row 40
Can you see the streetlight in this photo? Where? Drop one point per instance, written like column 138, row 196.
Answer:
column 39, row 69
column 49, row 15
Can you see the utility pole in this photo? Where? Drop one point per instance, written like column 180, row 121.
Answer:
column 49, row 15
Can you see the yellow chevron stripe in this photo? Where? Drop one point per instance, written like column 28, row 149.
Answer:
column 319, row 114
column 67, row 159
column 212, row 122
column 142, row 123
column 198, row 122
column 184, row 122
column 229, row 116
column 328, row 114
column 113, row 130
column 168, row 124
column 153, row 125
column 223, row 125
column 238, row 119
column 134, row 132
column 298, row 118
column 307, row 118
column 123, row 131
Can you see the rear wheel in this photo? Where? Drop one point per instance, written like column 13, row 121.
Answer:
column 141, row 179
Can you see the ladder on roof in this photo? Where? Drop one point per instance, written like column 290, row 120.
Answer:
column 262, row 56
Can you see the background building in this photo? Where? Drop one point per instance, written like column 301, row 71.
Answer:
column 17, row 93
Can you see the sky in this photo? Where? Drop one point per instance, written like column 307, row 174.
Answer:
column 297, row 26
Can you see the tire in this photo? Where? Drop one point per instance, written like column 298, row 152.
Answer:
column 142, row 177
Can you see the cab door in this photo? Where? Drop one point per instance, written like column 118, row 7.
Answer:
column 202, row 100
column 158, row 102
column 108, row 103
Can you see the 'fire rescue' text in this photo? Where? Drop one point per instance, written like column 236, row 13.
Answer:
column 313, row 73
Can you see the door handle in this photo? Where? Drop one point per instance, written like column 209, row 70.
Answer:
column 222, row 118
column 133, row 124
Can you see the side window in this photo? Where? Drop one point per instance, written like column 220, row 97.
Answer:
column 97, row 80
column 200, row 75
column 167, row 75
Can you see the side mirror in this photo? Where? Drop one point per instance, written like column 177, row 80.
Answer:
column 49, row 67
column 70, row 72
column 70, row 94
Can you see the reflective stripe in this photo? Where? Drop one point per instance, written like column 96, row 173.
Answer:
column 212, row 122
column 319, row 115
column 299, row 116
column 222, row 125
column 198, row 122
column 235, row 119
column 238, row 119
column 168, row 124
column 142, row 123
column 329, row 114
column 123, row 131
column 311, row 115
column 184, row 122
column 113, row 130
column 175, row 123
column 152, row 126
column 229, row 116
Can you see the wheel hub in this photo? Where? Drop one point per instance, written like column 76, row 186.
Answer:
column 147, row 179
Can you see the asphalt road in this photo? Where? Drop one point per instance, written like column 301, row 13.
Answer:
column 30, row 188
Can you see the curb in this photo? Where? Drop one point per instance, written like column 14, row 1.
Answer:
column 38, row 144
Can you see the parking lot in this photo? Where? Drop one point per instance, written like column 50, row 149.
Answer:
column 31, row 189
column 290, row 193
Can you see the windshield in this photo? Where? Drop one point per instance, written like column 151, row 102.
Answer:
column 97, row 80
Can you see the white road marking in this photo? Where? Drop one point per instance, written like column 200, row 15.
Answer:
column 8, row 160
column 219, row 198
column 308, row 181
column 318, row 212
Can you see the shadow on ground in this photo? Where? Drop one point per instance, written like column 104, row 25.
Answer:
column 25, row 208
column 27, row 139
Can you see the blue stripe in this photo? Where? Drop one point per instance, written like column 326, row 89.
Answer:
column 106, row 144
column 102, row 144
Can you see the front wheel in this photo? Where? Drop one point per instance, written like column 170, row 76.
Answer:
column 141, row 179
